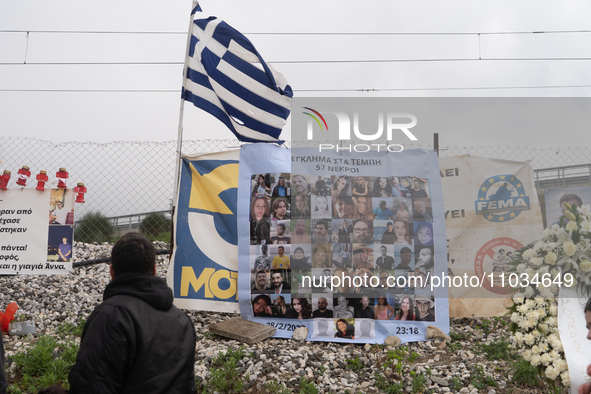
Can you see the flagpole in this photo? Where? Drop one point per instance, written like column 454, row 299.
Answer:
column 179, row 143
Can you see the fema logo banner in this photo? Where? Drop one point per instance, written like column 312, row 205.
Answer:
column 204, row 268
column 501, row 198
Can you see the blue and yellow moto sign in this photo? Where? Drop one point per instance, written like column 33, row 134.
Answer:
column 204, row 269
column 501, row 198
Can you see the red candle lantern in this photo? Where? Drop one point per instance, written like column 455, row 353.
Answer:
column 4, row 179
column 61, row 176
column 23, row 175
column 41, row 179
column 80, row 190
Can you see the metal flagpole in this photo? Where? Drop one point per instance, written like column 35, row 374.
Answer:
column 179, row 143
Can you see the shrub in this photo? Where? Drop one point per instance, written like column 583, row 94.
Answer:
column 95, row 227
column 155, row 224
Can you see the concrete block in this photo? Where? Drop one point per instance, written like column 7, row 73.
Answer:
column 243, row 330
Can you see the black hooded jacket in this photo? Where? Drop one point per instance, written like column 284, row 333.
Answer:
column 136, row 341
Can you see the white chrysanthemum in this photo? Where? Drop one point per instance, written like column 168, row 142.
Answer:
column 540, row 244
column 553, row 310
column 535, row 349
column 523, row 308
column 571, row 226
column 518, row 337
column 544, row 347
column 544, row 270
column 533, row 315
column 565, row 376
column 550, row 258
column 547, row 233
column 528, row 292
column 526, row 355
column 530, row 303
column 536, row 333
column 536, row 261
column 515, row 317
column 540, row 301
column 546, row 359
column 543, row 327
column 521, row 267
column 535, row 359
column 518, row 298
column 551, row 372
column 560, row 365
column 528, row 254
column 554, row 354
column 529, row 339
column 585, row 265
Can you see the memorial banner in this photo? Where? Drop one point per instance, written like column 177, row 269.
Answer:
column 204, row 266
column 491, row 211
column 573, row 335
column 350, row 245
column 36, row 231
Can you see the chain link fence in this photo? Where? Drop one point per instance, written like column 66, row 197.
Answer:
column 131, row 184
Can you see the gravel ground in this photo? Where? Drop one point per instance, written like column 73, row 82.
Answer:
column 53, row 300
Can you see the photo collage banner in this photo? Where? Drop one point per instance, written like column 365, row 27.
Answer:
column 345, row 244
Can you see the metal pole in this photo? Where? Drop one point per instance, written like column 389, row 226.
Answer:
column 179, row 144
column 436, row 143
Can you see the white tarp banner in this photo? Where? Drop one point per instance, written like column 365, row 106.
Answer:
column 36, row 230
column 491, row 211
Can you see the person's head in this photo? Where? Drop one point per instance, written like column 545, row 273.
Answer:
column 281, row 300
column 276, row 278
column 360, row 255
column 425, row 233
column 322, row 304
column 588, row 318
column 340, row 183
column 280, row 207
column 382, row 300
column 326, row 273
column 571, row 199
column 321, row 228
column 425, row 257
column 321, row 203
column 342, row 302
column 383, row 250
column 133, row 253
column 300, row 227
column 320, row 256
column 424, row 303
column 301, row 202
column 417, row 184
column 259, row 208
column 382, row 205
column 59, row 204
column 361, row 204
column 383, row 276
column 341, row 325
column 261, row 180
column 65, row 240
column 389, row 227
column 405, row 256
column 393, row 182
column 365, row 326
column 301, row 184
column 281, row 250
column 406, row 305
column 343, row 207
column 319, row 177
column 365, row 301
column 402, row 213
column 300, row 305
column 361, row 232
column 261, row 279
column 382, row 183
column 260, row 304
column 400, row 230
column 280, row 229
column 281, row 181
column 299, row 253
column 420, row 206
column 264, row 249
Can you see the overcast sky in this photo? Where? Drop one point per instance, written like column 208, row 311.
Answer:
column 414, row 65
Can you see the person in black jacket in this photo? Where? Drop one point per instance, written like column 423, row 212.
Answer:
column 136, row 341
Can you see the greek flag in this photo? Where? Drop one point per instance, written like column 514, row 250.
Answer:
column 228, row 78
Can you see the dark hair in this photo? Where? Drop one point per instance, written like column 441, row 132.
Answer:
column 273, row 272
column 324, row 223
column 382, row 296
column 260, row 272
column 133, row 253
column 588, row 306
column 411, row 309
column 281, row 225
column 405, row 249
column 306, row 308
column 264, row 297
column 253, row 202
column 570, row 197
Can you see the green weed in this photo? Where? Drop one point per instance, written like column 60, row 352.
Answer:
column 499, row 350
column 480, row 379
column 224, row 377
column 307, row 387
column 456, row 383
column 356, row 364
column 71, row 329
column 524, row 374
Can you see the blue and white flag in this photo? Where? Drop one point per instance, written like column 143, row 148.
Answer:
column 228, row 78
